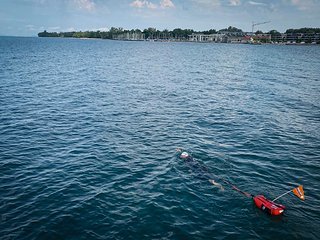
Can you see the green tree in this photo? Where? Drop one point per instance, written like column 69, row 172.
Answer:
column 274, row 33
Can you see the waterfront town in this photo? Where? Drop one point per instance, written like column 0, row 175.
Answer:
column 228, row 35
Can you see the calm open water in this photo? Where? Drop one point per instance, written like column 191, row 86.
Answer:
column 88, row 131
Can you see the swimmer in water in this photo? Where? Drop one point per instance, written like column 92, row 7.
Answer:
column 198, row 167
column 184, row 155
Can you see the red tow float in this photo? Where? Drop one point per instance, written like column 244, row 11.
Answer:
column 266, row 205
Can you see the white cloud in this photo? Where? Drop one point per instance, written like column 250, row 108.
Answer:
column 147, row 4
column 303, row 4
column 151, row 5
column 208, row 3
column 257, row 3
column 234, row 2
column 138, row 4
column 143, row 4
column 87, row 5
column 166, row 4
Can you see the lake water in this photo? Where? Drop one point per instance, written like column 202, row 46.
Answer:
column 89, row 128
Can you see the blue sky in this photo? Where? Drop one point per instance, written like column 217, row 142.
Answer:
column 28, row 17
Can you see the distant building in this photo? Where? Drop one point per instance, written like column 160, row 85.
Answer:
column 199, row 37
column 278, row 38
column 296, row 38
column 229, row 38
column 129, row 36
column 235, row 39
column 302, row 37
column 232, row 33
column 266, row 38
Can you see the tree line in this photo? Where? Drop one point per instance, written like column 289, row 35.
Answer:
column 153, row 33
column 304, row 31
column 149, row 33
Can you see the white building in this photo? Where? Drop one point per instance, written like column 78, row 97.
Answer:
column 198, row 37
column 129, row 36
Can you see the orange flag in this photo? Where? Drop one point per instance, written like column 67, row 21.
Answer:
column 298, row 191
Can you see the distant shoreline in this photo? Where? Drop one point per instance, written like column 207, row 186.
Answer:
column 302, row 36
column 173, row 41
column 186, row 41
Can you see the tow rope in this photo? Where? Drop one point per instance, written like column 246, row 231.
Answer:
column 249, row 195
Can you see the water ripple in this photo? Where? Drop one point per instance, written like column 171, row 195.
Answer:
column 89, row 129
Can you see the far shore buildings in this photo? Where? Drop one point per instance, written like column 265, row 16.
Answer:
column 230, row 37
column 292, row 38
column 227, row 37
column 284, row 38
column 199, row 37
column 130, row 36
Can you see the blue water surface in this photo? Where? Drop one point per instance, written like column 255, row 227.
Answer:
column 89, row 128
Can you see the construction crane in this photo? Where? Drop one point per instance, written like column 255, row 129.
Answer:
column 256, row 24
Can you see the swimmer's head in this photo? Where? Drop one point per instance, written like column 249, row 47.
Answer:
column 184, row 155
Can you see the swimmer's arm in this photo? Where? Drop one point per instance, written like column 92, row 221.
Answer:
column 216, row 184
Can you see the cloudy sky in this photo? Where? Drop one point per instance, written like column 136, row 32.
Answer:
column 28, row 17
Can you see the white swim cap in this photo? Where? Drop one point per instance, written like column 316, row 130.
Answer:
column 184, row 155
